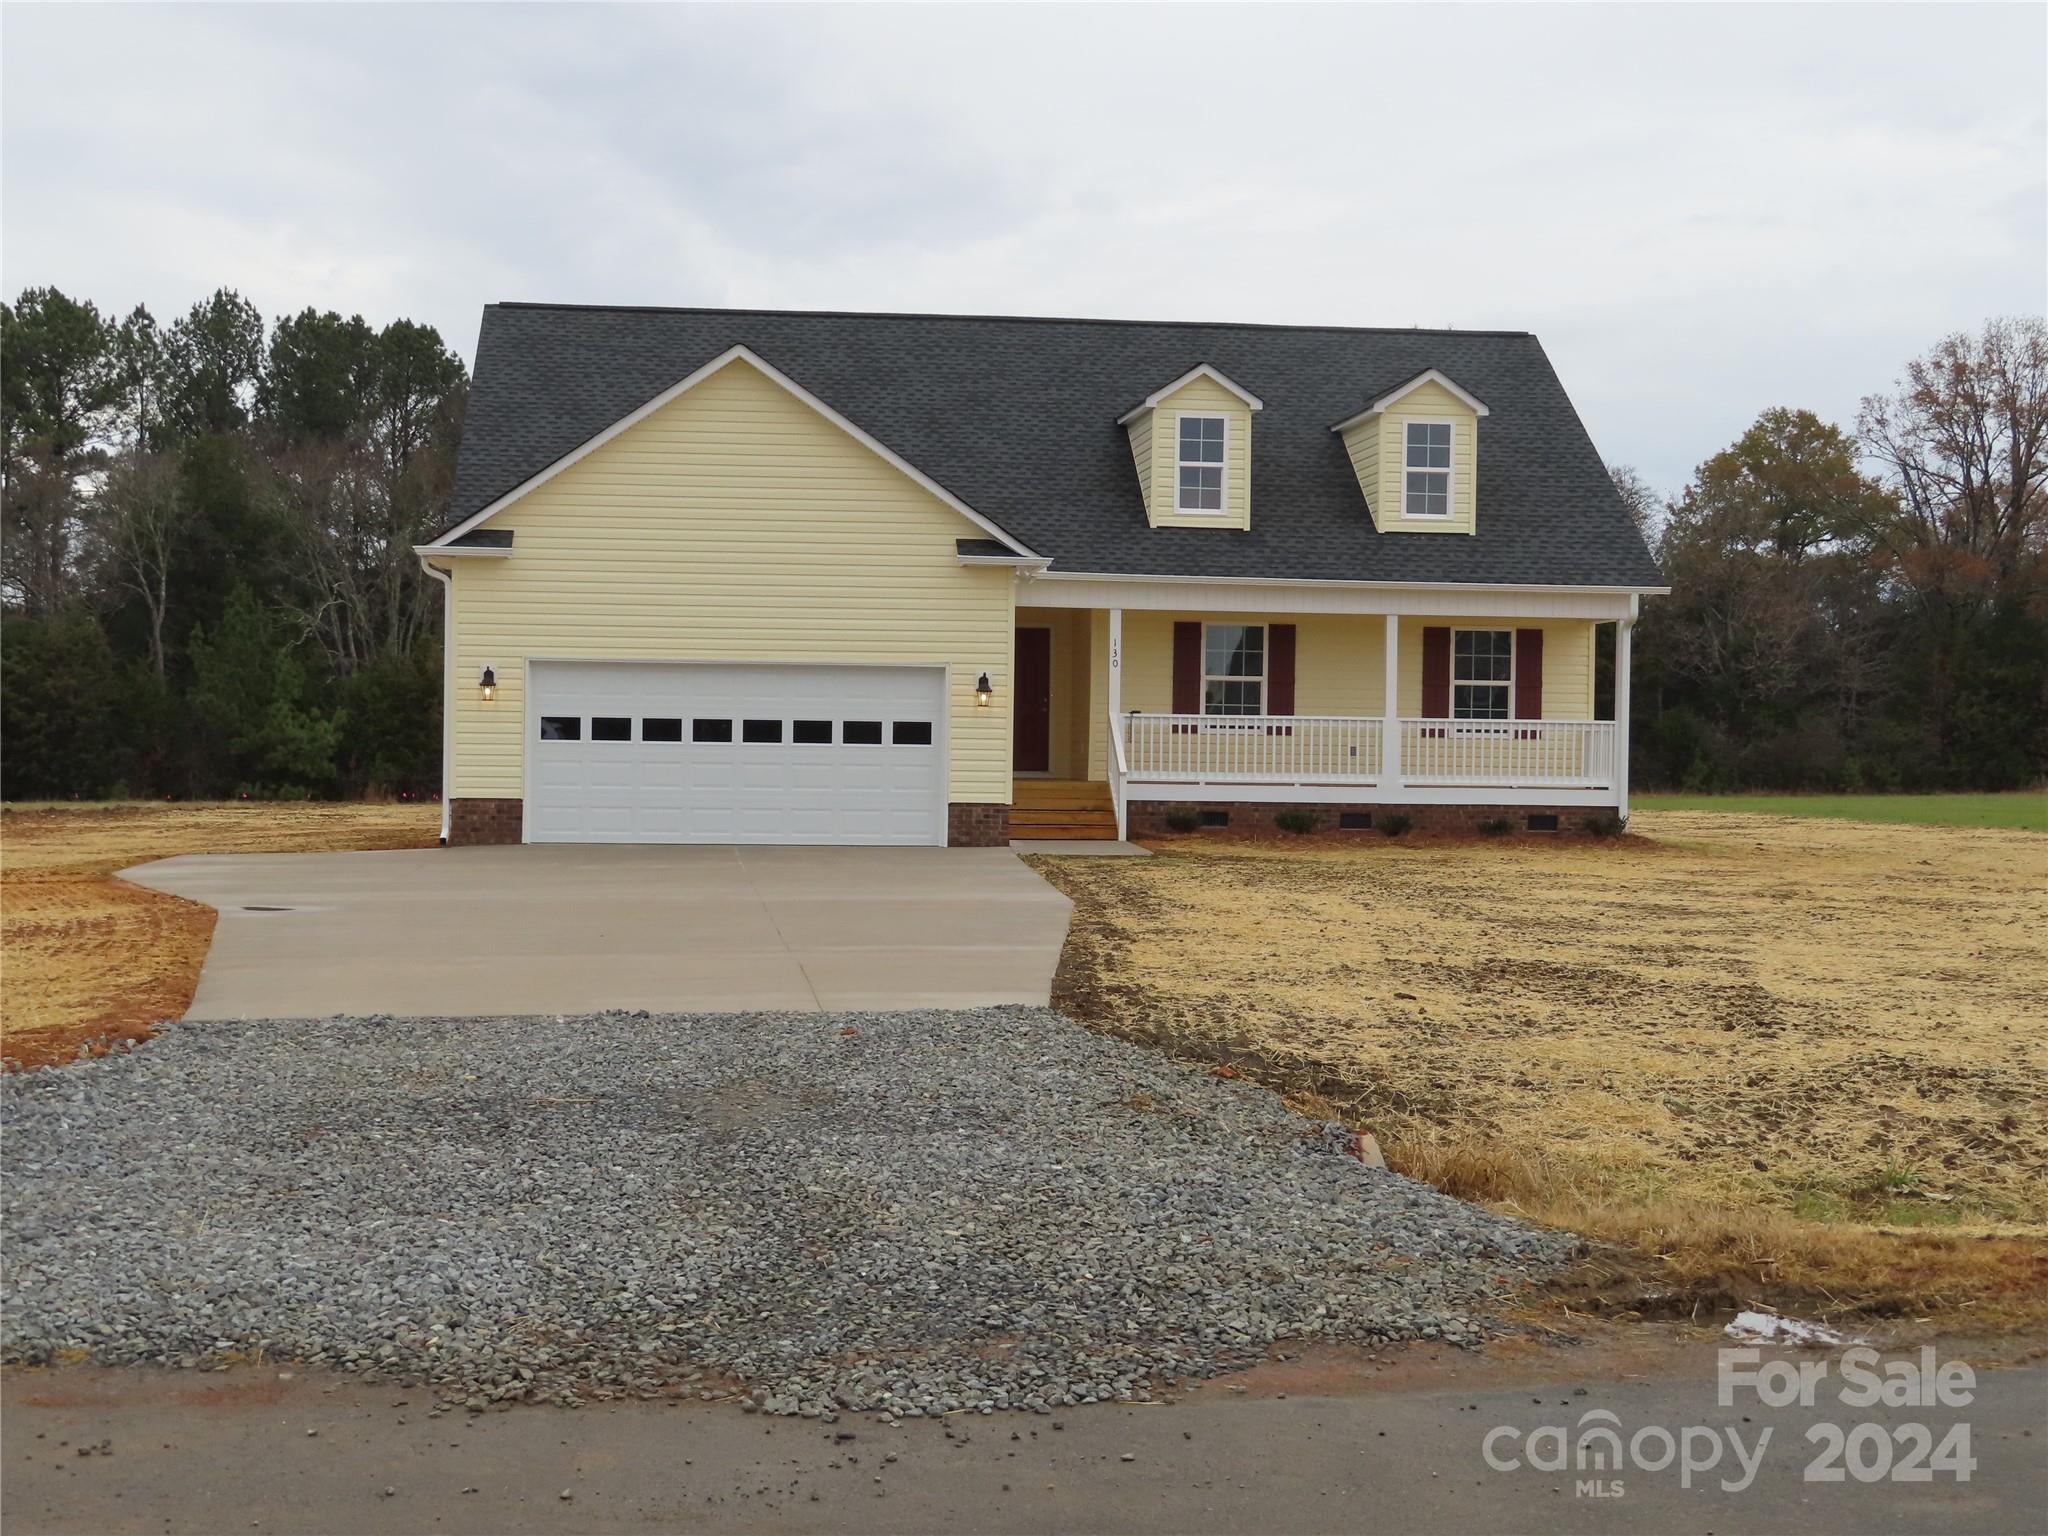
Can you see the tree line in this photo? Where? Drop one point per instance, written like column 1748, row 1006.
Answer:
column 206, row 573
column 207, row 585
column 1859, row 609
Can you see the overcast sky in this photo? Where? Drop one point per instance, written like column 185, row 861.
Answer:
column 1703, row 211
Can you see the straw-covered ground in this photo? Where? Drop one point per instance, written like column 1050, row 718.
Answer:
column 1781, row 1059
column 91, row 959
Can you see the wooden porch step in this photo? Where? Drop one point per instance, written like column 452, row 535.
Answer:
column 1059, row 794
column 1044, row 810
column 1079, row 831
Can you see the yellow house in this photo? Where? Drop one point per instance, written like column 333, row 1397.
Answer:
column 728, row 576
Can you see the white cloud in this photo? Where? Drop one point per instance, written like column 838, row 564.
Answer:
column 1704, row 211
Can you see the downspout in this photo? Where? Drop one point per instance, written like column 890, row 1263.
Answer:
column 447, row 680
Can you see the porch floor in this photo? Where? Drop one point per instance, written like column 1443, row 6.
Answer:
column 1066, row 809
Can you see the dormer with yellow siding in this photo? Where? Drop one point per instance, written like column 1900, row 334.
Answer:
column 1416, row 453
column 1191, row 443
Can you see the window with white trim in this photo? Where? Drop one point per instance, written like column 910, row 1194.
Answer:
column 1428, row 470
column 1200, row 464
column 1482, row 674
column 1233, row 669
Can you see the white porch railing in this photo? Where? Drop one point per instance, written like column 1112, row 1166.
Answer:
column 1511, row 754
column 1347, row 749
column 1119, row 770
column 1257, row 749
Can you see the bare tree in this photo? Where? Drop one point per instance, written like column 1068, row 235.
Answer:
column 138, row 520
column 1963, row 442
column 1645, row 506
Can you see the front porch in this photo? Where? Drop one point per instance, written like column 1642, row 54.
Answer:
column 1155, row 709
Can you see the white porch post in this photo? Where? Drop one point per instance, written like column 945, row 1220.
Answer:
column 1116, row 666
column 1390, row 724
column 1116, row 721
column 1624, row 640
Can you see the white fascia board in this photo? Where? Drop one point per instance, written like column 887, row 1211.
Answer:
column 1427, row 376
column 1199, row 371
column 1028, row 564
column 1210, row 594
column 463, row 551
column 1385, row 586
column 734, row 354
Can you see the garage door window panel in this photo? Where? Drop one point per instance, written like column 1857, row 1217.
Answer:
column 811, row 733
column 661, row 728
column 711, row 730
column 912, row 733
column 861, row 733
column 561, row 727
column 611, row 728
column 762, row 732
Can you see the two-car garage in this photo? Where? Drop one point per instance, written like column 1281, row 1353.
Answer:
column 641, row 752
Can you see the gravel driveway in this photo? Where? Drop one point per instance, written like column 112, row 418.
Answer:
column 911, row 1211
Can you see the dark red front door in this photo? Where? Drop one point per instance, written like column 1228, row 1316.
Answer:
column 1031, row 751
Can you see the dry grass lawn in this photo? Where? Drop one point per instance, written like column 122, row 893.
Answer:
column 85, row 957
column 1793, row 1059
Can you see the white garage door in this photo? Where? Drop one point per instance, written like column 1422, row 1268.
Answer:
column 623, row 752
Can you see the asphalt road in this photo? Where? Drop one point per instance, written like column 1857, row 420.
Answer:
column 105, row 1452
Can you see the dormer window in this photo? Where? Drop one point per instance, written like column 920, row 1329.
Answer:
column 1199, row 467
column 1428, row 469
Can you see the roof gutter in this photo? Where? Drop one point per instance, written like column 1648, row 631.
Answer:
column 1404, row 586
column 463, row 551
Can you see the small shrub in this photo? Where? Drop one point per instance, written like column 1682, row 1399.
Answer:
column 1394, row 823
column 1605, row 826
column 1297, row 822
column 1496, row 826
column 1183, row 821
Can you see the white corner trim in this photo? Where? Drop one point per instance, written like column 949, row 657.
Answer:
column 1428, row 376
column 733, row 354
column 1029, row 566
column 1199, row 371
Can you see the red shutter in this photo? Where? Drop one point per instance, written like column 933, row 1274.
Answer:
column 1279, row 669
column 1528, row 674
column 1436, row 672
column 1187, row 669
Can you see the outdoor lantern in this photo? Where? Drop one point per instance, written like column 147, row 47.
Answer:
column 488, row 686
column 982, row 691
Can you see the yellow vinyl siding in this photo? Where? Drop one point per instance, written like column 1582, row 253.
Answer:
column 1199, row 397
column 1362, row 443
column 1381, row 457
column 734, row 524
column 1567, row 662
column 1141, row 456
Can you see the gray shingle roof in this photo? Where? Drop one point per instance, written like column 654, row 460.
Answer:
column 1017, row 418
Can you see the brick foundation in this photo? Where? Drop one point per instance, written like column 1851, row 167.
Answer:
column 977, row 826
column 1148, row 817
column 475, row 822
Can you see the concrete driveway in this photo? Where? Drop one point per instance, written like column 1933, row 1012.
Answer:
column 484, row 931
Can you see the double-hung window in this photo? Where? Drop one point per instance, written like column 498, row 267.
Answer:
column 1233, row 669
column 1482, row 674
column 1200, row 464
column 1428, row 468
